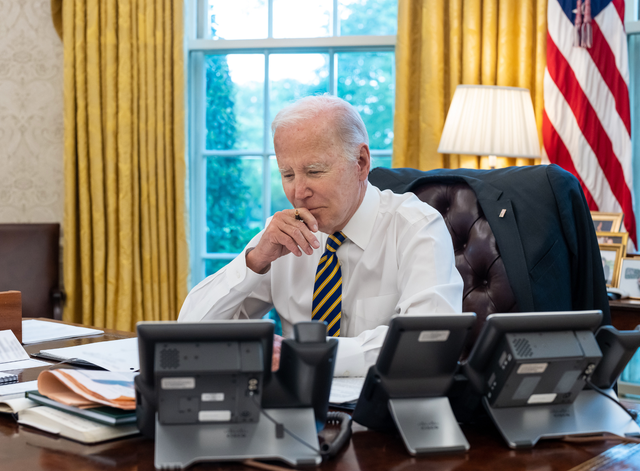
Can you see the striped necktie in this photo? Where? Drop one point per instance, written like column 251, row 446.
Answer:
column 327, row 289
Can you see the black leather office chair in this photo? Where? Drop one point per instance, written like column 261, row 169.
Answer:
column 540, row 254
column 30, row 263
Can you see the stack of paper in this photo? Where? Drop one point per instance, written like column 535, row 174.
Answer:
column 34, row 331
column 88, row 388
column 16, row 390
column 14, row 357
column 345, row 390
column 114, row 355
column 103, row 414
column 71, row 426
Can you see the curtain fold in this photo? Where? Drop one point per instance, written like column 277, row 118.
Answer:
column 125, row 247
column 441, row 45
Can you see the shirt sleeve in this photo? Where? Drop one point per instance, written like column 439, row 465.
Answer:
column 233, row 292
column 428, row 280
column 356, row 354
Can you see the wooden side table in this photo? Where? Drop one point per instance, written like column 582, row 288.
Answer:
column 625, row 313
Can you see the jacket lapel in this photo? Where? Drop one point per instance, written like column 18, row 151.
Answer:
column 501, row 217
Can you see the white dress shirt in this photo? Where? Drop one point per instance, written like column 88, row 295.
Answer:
column 397, row 259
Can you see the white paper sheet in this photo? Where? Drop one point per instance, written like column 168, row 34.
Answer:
column 345, row 389
column 22, row 364
column 34, row 331
column 114, row 355
column 13, row 406
column 109, row 384
column 9, row 391
column 10, row 348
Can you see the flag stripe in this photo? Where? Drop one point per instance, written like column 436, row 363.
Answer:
column 619, row 6
column 605, row 61
column 586, row 121
column 592, row 84
column 562, row 157
column 612, row 28
column 565, row 78
column 587, row 166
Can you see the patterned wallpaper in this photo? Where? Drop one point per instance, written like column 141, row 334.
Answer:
column 31, row 114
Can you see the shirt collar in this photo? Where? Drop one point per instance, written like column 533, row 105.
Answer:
column 359, row 228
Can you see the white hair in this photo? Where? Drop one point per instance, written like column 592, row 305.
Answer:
column 347, row 123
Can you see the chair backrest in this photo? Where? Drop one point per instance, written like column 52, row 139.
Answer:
column 486, row 285
column 30, row 263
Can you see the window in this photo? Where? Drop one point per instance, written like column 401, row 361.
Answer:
column 249, row 58
column 630, row 378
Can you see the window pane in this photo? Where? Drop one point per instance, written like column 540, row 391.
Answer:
column 292, row 76
column 238, row 19
column 235, row 101
column 362, row 17
column 366, row 80
column 212, row 266
column 380, row 161
column 631, row 373
column 279, row 200
column 302, row 18
column 234, row 202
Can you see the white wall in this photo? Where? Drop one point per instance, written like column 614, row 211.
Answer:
column 31, row 113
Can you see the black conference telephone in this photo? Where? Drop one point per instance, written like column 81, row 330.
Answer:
column 220, row 373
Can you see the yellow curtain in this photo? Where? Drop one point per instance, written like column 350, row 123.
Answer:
column 443, row 44
column 125, row 248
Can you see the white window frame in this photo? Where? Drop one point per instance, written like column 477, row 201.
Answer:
column 195, row 50
column 631, row 26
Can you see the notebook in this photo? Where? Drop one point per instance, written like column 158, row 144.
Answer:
column 8, row 378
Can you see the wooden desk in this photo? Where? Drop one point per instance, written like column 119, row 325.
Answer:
column 625, row 314
column 24, row 448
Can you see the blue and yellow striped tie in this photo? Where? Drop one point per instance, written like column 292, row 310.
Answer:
column 327, row 289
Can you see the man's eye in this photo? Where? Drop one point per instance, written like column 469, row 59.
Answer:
column 287, row 175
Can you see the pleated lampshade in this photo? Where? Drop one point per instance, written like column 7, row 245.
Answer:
column 488, row 120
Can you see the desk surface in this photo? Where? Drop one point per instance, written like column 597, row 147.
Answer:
column 25, row 448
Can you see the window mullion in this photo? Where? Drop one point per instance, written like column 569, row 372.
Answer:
column 202, row 19
column 270, row 19
column 198, row 165
column 333, row 88
column 266, row 167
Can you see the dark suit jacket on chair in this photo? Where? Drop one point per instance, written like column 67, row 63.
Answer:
column 542, row 226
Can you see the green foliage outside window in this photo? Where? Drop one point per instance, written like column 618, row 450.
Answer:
column 231, row 196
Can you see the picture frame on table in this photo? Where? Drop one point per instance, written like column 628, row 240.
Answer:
column 630, row 277
column 607, row 222
column 613, row 238
column 611, row 255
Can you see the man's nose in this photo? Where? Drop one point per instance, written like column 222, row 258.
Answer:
column 301, row 189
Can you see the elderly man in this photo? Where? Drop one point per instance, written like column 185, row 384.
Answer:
column 347, row 254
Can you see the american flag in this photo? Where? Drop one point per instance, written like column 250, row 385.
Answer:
column 586, row 126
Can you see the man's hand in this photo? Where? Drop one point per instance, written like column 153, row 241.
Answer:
column 277, row 346
column 290, row 231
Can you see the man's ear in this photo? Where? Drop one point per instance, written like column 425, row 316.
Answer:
column 364, row 162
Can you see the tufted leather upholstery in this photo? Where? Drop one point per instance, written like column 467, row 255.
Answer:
column 486, row 285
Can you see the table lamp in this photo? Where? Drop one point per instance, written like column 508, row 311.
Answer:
column 489, row 120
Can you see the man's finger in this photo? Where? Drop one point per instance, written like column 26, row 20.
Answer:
column 301, row 236
column 287, row 241
column 304, row 215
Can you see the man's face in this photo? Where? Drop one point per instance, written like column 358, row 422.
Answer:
column 316, row 176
